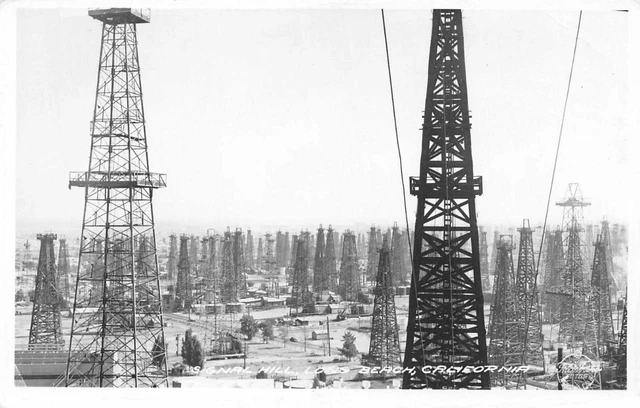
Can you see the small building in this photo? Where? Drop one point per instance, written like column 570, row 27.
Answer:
column 319, row 335
column 271, row 303
column 300, row 322
column 329, row 297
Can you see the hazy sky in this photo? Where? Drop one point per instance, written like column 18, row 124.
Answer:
column 283, row 117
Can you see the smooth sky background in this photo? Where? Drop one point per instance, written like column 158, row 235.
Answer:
column 268, row 118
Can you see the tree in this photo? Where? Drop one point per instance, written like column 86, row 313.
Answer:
column 349, row 349
column 267, row 330
column 192, row 353
column 248, row 326
column 158, row 355
column 19, row 295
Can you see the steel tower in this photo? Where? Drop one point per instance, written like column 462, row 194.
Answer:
column 505, row 347
column 446, row 319
column 45, row 318
column 573, row 303
column 320, row 277
column 528, row 301
column 64, row 269
column 384, row 348
column 113, row 335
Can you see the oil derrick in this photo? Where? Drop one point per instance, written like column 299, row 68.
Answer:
column 494, row 251
column 320, row 277
column 300, row 295
column 379, row 238
column 553, row 269
column 287, row 250
column 312, row 250
column 183, row 283
column 349, row 280
column 573, row 303
column 279, row 249
column 589, row 242
column 446, row 317
column 250, row 257
column 406, row 258
column 600, row 300
column 340, row 247
column 172, row 263
column 397, row 270
column 621, row 357
column 505, row 344
column 113, row 337
column 292, row 260
column 193, row 255
column 239, row 262
column 606, row 239
column 229, row 289
column 45, row 318
column 64, row 269
column 384, row 348
column 373, row 254
column 26, row 256
column 260, row 257
column 330, row 260
column 270, row 263
column 527, row 300
column 210, row 271
column 484, row 261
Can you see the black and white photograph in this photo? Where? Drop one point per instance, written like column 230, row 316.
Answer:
column 321, row 196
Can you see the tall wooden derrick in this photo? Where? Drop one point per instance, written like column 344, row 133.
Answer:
column 494, row 251
column 505, row 344
column 287, row 249
column 270, row 263
column 528, row 300
column 330, row 260
column 484, row 261
column 621, row 357
column 311, row 246
column 260, row 255
column 250, row 253
column 589, row 242
column 210, row 276
column 600, row 303
column 397, row 262
column 446, row 318
column 279, row 249
column 292, row 261
column 193, row 255
column 349, row 285
column 406, row 258
column 553, row 272
column 301, row 297
column 117, row 338
column 172, row 262
column 608, row 248
column 64, row 270
column 320, row 277
column 384, row 347
column 183, row 282
column 239, row 272
column 373, row 254
column 229, row 286
column 45, row 328
column 574, row 292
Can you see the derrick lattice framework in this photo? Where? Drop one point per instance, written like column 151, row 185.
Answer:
column 117, row 338
column 260, row 254
column 172, row 262
column 553, row 269
column 250, row 254
column 300, row 295
column 505, row 346
column 330, row 260
column 574, row 312
column 45, row 318
column 229, row 289
column 210, row 277
column 320, row 276
column 239, row 262
column 373, row 254
column 384, row 348
column 183, row 281
column 600, row 298
column 397, row 263
column 349, row 285
column 484, row 260
column 528, row 300
column 64, row 269
column 270, row 263
column 446, row 319
column 621, row 358
column 193, row 255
